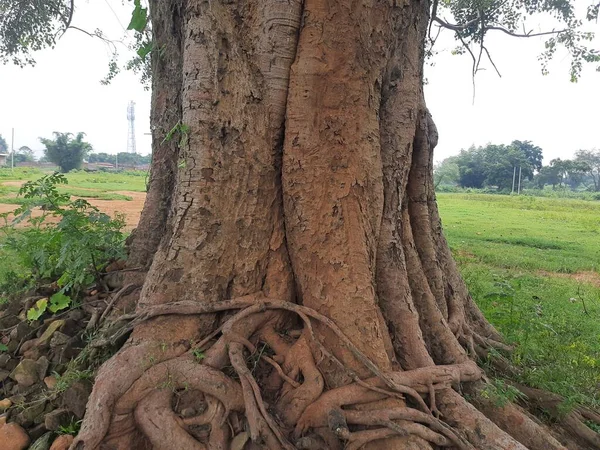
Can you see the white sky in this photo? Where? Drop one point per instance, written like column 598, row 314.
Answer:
column 63, row 93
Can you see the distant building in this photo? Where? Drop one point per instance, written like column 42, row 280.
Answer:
column 3, row 159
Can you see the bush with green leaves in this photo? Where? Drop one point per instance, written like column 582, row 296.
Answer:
column 70, row 242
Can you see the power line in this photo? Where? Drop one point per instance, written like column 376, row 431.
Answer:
column 115, row 14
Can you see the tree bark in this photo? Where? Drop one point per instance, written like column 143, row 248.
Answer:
column 167, row 74
column 303, row 294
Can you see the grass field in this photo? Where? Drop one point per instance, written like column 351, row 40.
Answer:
column 81, row 184
column 532, row 266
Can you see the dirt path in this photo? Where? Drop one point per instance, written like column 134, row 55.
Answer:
column 131, row 208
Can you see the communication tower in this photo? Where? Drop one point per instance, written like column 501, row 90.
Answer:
column 131, row 130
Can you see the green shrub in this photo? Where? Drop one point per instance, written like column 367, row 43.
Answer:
column 70, row 242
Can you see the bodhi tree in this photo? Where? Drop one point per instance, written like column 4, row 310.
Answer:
column 299, row 290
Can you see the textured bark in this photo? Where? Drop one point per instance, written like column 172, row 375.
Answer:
column 303, row 293
column 166, row 106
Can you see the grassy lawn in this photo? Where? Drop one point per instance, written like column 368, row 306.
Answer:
column 532, row 266
column 99, row 185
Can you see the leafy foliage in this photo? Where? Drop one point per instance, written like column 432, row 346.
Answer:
column 70, row 242
column 122, row 157
column 65, row 151
column 494, row 165
column 446, row 172
column 3, row 145
column 29, row 26
column 475, row 19
column 501, row 393
column 589, row 163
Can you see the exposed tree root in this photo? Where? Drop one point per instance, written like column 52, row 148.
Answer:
column 292, row 408
column 143, row 399
column 573, row 422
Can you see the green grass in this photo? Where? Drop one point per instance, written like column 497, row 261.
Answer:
column 508, row 249
column 529, row 233
column 98, row 185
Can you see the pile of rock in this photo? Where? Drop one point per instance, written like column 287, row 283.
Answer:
column 42, row 398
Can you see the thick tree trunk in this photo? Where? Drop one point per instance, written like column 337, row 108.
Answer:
column 166, row 107
column 303, row 294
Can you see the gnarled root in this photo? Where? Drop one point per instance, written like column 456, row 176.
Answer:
column 291, row 409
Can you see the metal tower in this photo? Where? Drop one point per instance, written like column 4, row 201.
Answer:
column 131, row 130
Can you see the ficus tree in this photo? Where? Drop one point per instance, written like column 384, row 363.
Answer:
column 299, row 291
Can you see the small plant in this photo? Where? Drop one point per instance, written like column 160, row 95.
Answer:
column 501, row 393
column 71, row 428
column 57, row 302
column 180, row 128
column 198, row 355
column 70, row 376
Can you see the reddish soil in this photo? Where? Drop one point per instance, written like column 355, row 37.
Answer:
column 131, row 208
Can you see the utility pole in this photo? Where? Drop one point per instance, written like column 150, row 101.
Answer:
column 514, row 176
column 12, row 151
column 519, row 188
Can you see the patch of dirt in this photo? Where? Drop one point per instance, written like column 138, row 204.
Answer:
column 131, row 208
column 587, row 277
column 13, row 183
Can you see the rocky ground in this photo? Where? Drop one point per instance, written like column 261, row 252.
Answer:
column 46, row 367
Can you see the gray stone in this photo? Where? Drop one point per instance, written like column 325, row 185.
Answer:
column 41, row 443
column 76, row 396
column 4, row 358
column 32, row 414
column 56, row 418
column 26, row 373
column 43, row 365
column 59, row 339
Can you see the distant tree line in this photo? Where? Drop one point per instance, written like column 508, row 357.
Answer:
column 493, row 166
column 69, row 151
column 129, row 159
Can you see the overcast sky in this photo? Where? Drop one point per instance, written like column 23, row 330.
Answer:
column 63, row 93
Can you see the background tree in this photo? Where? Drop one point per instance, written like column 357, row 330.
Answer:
column 66, row 151
column 24, row 155
column 532, row 153
column 500, row 162
column 122, row 157
column 3, row 145
column 293, row 210
column 471, row 167
column 446, row 172
column 494, row 165
column 589, row 163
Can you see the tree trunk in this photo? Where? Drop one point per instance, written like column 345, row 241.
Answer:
column 303, row 294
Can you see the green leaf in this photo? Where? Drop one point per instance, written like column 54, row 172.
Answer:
column 3, row 348
column 139, row 18
column 59, row 301
column 144, row 49
column 36, row 311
